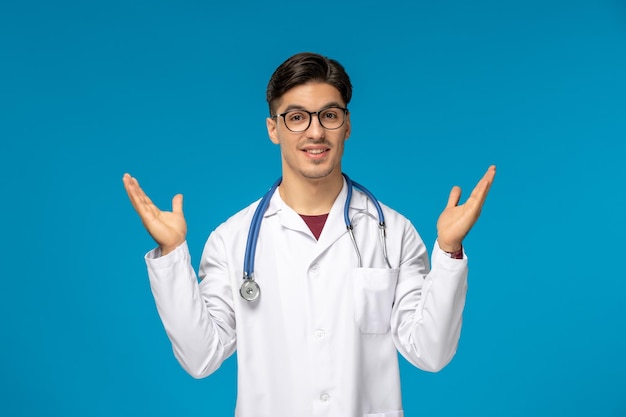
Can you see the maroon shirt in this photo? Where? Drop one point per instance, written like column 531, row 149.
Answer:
column 315, row 223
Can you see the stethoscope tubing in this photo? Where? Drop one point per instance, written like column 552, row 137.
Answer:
column 255, row 227
column 381, row 218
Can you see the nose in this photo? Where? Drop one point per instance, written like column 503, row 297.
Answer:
column 315, row 130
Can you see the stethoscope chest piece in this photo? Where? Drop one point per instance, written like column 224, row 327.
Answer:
column 250, row 290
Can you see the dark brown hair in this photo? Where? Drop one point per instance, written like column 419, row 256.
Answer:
column 305, row 67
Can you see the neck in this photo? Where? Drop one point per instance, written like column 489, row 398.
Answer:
column 311, row 196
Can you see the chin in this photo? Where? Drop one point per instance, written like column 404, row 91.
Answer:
column 318, row 174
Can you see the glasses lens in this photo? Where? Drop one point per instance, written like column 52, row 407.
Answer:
column 297, row 120
column 332, row 118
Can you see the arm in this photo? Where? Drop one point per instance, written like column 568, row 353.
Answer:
column 198, row 318
column 201, row 331
column 428, row 310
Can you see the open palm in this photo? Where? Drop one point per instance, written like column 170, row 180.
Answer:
column 456, row 220
column 167, row 228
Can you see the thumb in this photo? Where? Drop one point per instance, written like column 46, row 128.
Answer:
column 455, row 196
column 177, row 203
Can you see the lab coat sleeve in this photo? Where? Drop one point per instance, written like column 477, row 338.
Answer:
column 199, row 320
column 428, row 307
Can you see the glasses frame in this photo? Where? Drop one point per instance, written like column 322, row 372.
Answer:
column 311, row 113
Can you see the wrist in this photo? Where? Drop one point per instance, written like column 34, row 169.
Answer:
column 168, row 249
column 450, row 248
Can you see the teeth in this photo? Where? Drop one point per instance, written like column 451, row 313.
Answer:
column 315, row 151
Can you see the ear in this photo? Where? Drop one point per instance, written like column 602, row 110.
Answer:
column 271, row 130
column 348, row 127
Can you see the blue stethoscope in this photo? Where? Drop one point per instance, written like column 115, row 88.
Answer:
column 250, row 290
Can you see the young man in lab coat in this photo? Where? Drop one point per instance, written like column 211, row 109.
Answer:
column 322, row 338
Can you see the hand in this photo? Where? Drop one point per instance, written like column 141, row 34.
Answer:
column 456, row 220
column 168, row 229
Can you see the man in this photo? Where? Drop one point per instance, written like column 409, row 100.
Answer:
column 321, row 338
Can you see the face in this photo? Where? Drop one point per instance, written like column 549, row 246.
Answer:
column 316, row 153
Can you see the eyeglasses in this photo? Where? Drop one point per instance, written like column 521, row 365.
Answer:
column 299, row 120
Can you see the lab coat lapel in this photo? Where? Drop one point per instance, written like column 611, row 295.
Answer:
column 335, row 226
column 288, row 218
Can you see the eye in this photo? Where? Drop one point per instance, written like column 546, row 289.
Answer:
column 296, row 116
column 330, row 114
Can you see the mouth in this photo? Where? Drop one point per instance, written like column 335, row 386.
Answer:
column 317, row 150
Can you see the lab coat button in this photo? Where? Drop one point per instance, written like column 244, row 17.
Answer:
column 320, row 333
column 325, row 397
column 315, row 267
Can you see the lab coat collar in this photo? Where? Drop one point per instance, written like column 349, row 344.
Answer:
column 335, row 225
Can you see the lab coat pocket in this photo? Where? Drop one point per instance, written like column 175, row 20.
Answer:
column 374, row 290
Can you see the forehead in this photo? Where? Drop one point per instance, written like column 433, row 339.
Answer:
column 312, row 96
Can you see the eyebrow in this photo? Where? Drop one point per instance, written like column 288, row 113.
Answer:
column 299, row 107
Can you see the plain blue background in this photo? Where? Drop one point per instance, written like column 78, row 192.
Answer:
column 173, row 92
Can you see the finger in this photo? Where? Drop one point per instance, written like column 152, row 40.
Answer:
column 177, row 203
column 455, row 196
column 136, row 194
column 490, row 175
column 131, row 190
column 138, row 198
column 142, row 196
column 127, row 180
column 479, row 193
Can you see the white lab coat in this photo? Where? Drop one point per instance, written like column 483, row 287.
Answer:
column 321, row 339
